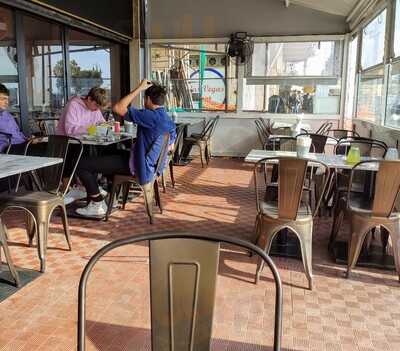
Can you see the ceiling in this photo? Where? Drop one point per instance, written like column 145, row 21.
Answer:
column 335, row 7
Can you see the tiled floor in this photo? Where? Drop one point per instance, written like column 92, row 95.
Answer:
column 339, row 314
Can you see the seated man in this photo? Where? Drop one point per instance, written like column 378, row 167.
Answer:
column 82, row 112
column 152, row 122
column 8, row 126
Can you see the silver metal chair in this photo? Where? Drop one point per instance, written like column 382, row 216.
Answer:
column 181, row 314
column 287, row 211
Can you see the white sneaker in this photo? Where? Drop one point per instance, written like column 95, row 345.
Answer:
column 94, row 209
column 103, row 192
column 76, row 193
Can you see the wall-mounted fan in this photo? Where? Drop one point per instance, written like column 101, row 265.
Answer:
column 240, row 47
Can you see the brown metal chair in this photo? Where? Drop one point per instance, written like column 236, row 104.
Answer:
column 179, row 134
column 40, row 204
column 150, row 190
column 181, row 314
column 365, row 216
column 288, row 211
column 203, row 140
column 324, row 128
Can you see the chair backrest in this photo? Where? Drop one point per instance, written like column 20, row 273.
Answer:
column 368, row 147
column 318, row 142
column 281, row 143
column 58, row 146
column 50, row 126
column 183, row 274
column 291, row 175
column 209, row 129
column 6, row 137
column 180, row 129
column 262, row 136
column 162, row 158
column 343, row 133
column 387, row 186
column 324, row 128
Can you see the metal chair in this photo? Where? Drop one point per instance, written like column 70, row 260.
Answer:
column 318, row 141
column 203, row 140
column 281, row 143
column 179, row 133
column 368, row 147
column 288, row 211
column 181, row 314
column 343, row 133
column 50, row 195
column 324, row 128
column 261, row 132
column 150, row 190
column 365, row 216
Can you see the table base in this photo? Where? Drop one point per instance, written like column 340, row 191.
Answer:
column 373, row 258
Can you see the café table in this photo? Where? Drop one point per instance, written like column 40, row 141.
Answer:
column 329, row 141
column 11, row 165
column 284, row 246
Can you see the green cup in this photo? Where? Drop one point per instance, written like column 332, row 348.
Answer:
column 353, row 155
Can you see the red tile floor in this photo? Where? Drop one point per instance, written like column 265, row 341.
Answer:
column 339, row 314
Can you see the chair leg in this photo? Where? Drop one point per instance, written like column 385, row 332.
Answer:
column 113, row 191
column 164, row 182
column 148, row 193
column 384, row 239
column 171, row 173
column 157, row 195
column 66, row 227
column 201, row 146
column 125, row 194
column 338, row 217
column 304, row 233
column 42, row 233
column 30, row 227
column 394, row 230
column 3, row 242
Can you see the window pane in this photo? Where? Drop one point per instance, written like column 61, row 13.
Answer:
column 351, row 77
column 370, row 96
column 393, row 107
column 254, row 98
column 288, row 97
column 8, row 59
column 302, row 59
column 373, row 41
column 258, row 60
column 195, row 77
column 44, row 69
column 397, row 30
column 90, row 62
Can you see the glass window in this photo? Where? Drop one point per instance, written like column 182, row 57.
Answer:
column 8, row 58
column 90, row 62
column 351, row 78
column 370, row 96
column 393, row 99
column 44, row 68
column 373, row 41
column 397, row 30
column 296, row 59
column 293, row 97
column 198, row 77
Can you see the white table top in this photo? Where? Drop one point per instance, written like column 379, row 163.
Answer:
column 15, row 164
column 332, row 161
column 92, row 140
column 290, row 125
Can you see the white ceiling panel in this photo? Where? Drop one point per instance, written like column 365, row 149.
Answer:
column 336, row 7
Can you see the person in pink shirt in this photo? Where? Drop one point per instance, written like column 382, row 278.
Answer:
column 82, row 112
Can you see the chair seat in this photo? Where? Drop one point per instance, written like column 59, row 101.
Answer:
column 270, row 209
column 39, row 198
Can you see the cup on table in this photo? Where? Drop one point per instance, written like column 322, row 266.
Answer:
column 303, row 144
column 354, row 155
column 128, row 127
column 392, row 154
column 92, row 130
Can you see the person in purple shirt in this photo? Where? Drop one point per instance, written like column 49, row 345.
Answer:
column 8, row 127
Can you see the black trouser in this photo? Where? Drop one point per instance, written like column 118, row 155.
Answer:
column 107, row 165
column 186, row 148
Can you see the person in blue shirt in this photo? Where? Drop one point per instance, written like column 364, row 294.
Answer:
column 152, row 122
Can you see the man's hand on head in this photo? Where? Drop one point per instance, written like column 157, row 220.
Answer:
column 144, row 84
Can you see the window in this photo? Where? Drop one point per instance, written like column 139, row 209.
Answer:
column 44, row 68
column 370, row 95
column 8, row 58
column 373, row 41
column 198, row 77
column 351, row 78
column 294, row 77
column 393, row 99
column 397, row 30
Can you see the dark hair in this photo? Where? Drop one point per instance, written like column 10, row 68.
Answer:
column 99, row 95
column 156, row 93
column 4, row 90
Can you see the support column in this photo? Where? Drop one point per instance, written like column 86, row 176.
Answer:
column 135, row 61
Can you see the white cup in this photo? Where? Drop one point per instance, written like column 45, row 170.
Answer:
column 392, row 154
column 101, row 131
column 128, row 127
column 303, row 145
